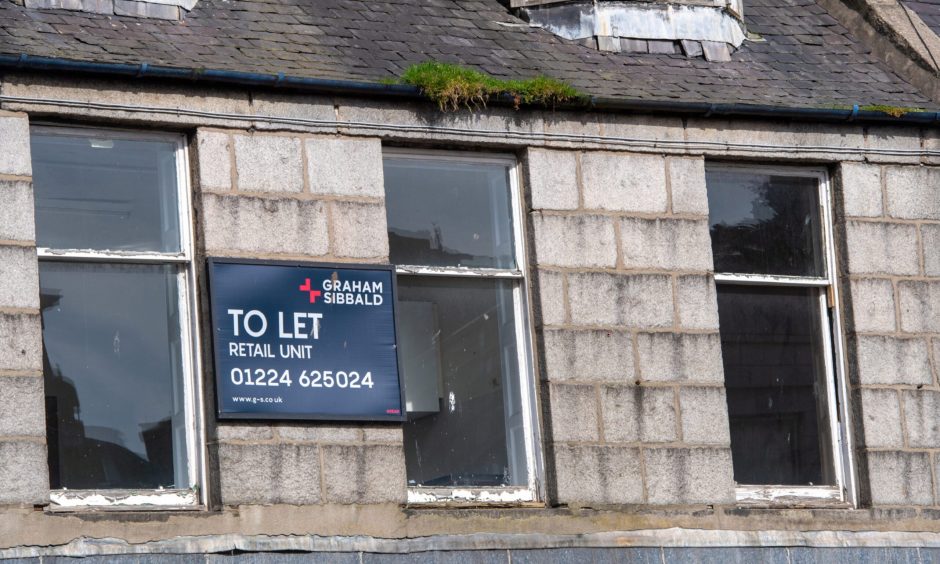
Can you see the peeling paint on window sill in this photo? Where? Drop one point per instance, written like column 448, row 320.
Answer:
column 76, row 500
column 501, row 496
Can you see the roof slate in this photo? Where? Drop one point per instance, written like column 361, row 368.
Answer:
column 805, row 58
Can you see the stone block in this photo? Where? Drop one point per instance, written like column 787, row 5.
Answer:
column 267, row 473
column 624, row 182
column 16, row 213
column 391, row 433
column 575, row 240
column 890, row 360
column 214, row 150
column 930, row 238
column 230, row 431
column 913, row 192
column 553, row 179
column 666, row 244
column 309, row 111
column 573, row 410
column 873, row 306
column 598, row 475
column 861, row 190
column 745, row 137
column 19, row 277
column 900, row 478
column 15, row 158
column 922, row 418
column 22, row 406
column 658, row 418
column 345, row 166
column 697, row 302
column 589, row 355
column 268, row 163
column 359, row 230
column 689, row 475
column 317, row 432
column 881, row 418
column 919, row 306
column 146, row 10
column 20, row 342
column 24, row 473
column 550, row 302
column 894, row 138
column 643, row 300
column 882, row 248
column 639, row 126
column 364, row 474
column 673, row 357
column 240, row 223
column 620, row 413
column 687, row 182
column 704, row 415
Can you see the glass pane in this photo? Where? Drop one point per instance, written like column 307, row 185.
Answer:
column 764, row 224
column 448, row 213
column 113, row 373
column 105, row 193
column 772, row 346
column 461, row 367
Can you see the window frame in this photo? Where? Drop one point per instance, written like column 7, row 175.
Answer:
column 532, row 492
column 188, row 311
column 844, row 492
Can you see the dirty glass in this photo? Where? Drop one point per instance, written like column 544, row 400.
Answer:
column 449, row 213
column 765, row 223
column 460, row 364
column 772, row 346
column 113, row 378
column 105, row 193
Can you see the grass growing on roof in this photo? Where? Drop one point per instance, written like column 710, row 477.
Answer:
column 454, row 87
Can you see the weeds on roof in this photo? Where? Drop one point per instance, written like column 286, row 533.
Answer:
column 454, row 87
column 893, row 111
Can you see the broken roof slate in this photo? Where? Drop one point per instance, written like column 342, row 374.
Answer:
column 804, row 58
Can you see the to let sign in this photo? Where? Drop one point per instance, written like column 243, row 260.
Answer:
column 304, row 341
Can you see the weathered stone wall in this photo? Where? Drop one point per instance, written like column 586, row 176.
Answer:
column 892, row 263
column 24, row 477
column 633, row 390
column 626, row 332
column 316, row 198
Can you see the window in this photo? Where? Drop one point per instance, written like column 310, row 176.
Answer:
column 453, row 227
column 115, row 272
column 772, row 247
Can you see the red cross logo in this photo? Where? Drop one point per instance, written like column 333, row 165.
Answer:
column 308, row 288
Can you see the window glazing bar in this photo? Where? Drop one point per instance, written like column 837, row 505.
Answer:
column 46, row 253
column 771, row 280
column 456, row 271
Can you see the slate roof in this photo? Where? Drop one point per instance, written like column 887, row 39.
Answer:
column 806, row 58
column 928, row 10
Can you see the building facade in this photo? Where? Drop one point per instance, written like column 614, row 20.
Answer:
column 653, row 331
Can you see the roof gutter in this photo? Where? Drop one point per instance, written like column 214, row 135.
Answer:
column 373, row 89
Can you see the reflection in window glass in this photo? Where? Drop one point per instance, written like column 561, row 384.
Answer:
column 460, row 365
column 112, row 365
column 105, row 193
column 772, row 347
column 448, row 213
column 764, row 224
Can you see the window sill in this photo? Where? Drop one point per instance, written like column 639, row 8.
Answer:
column 124, row 500
column 791, row 496
column 488, row 497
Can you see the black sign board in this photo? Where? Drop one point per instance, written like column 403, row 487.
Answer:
column 304, row 341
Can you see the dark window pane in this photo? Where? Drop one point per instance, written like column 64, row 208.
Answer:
column 772, row 346
column 112, row 364
column 448, row 213
column 97, row 193
column 765, row 224
column 460, row 364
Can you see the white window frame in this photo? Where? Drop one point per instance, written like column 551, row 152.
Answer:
column 532, row 492
column 188, row 311
column 844, row 492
